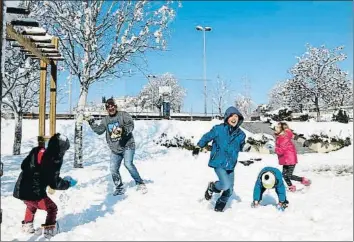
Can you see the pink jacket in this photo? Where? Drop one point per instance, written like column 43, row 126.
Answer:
column 285, row 149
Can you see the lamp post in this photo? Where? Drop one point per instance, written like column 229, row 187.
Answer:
column 204, row 29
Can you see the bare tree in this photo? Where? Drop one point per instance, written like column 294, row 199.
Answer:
column 244, row 100
column 103, row 39
column 221, row 95
column 21, row 90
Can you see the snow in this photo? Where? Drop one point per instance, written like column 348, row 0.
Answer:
column 173, row 209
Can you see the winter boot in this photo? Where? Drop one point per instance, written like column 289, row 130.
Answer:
column 50, row 230
column 306, row 182
column 210, row 190
column 27, row 227
column 142, row 188
column 292, row 188
column 118, row 191
column 220, row 205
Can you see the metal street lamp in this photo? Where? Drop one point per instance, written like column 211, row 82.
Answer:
column 204, row 29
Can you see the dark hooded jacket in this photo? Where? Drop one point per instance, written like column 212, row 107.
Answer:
column 227, row 142
column 38, row 173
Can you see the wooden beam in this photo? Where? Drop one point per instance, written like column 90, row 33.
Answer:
column 48, row 46
column 42, row 97
column 27, row 22
column 53, row 92
column 33, row 34
column 25, row 42
column 15, row 10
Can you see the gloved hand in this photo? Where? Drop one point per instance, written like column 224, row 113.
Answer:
column 72, row 181
column 196, row 151
column 254, row 204
column 282, row 206
column 89, row 118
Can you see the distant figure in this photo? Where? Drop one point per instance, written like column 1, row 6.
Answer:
column 287, row 155
column 41, row 168
column 119, row 126
column 269, row 178
column 228, row 140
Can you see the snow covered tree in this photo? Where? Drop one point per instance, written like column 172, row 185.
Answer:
column 317, row 75
column 342, row 93
column 244, row 101
column 150, row 97
column 245, row 105
column 221, row 95
column 101, row 40
column 281, row 97
column 20, row 90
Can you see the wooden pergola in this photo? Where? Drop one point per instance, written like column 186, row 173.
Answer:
column 35, row 43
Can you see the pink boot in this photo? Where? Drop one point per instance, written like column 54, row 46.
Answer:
column 292, row 188
column 306, row 182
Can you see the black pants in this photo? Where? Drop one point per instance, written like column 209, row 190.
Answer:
column 288, row 175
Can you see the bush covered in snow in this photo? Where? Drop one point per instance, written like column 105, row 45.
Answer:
column 325, row 141
column 281, row 114
column 177, row 142
column 259, row 140
column 340, row 116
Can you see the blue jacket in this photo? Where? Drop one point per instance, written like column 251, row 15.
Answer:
column 279, row 184
column 227, row 142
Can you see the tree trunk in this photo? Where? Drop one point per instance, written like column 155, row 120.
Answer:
column 78, row 161
column 16, row 150
column 317, row 109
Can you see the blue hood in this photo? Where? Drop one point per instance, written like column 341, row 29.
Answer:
column 232, row 110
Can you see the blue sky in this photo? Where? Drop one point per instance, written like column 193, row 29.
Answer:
column 255, row 39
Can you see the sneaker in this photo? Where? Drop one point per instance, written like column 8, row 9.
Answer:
column 210, row 190
column 292, row 188
column 142, row 188
column 306, row 182
column 27, row 227
column 50, row 230
column 118, row 191
column 219, row 206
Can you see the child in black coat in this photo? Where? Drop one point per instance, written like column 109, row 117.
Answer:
column 41, row 168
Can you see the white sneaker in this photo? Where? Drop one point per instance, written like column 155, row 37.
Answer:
column 142, row 188
column 50, row 230
column 28, row 227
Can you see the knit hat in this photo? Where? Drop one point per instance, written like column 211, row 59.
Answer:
column 109, row 102
column 268, row 180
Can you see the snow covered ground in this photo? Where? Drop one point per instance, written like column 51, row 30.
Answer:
column 173, row 209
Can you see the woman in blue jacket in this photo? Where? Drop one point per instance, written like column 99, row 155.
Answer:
column 269, row 178
column 228, row 140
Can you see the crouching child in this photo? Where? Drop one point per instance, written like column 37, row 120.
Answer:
column 40, row 169
column 269, row 178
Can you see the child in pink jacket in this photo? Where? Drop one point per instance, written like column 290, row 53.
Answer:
column 287, row 155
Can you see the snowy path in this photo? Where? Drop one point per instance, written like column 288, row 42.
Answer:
column 172, row 209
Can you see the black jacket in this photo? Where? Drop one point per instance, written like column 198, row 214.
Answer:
column 34, row 178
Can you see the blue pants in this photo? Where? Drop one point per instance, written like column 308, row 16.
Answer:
column 116, row 161
column 225, row 183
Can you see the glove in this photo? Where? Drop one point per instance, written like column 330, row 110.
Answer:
column 254, row 204
column 282, row 206
column 196, row 151
column 90, row 119
column 72, row 181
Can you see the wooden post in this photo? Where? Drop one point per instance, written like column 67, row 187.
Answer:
column 42, row 98
column 53, row 92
